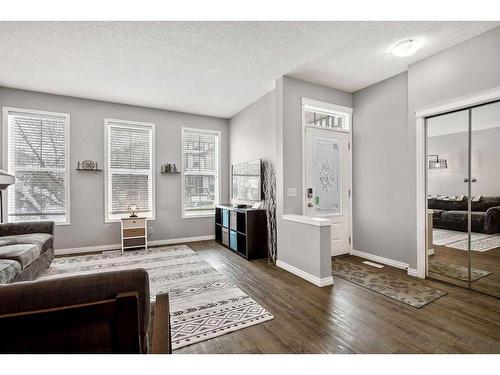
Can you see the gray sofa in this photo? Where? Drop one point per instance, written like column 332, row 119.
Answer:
column 108, row 312
column 485, row 215
column 26, row 250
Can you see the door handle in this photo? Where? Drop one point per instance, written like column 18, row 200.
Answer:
column 310, row 204
column 471, row 180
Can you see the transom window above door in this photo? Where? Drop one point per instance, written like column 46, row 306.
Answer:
column 326, row 115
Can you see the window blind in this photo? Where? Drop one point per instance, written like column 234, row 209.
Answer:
column 129, row 170
column 200, row 167
column 37, row 156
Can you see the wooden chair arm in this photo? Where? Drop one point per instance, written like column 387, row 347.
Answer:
column 161, row 326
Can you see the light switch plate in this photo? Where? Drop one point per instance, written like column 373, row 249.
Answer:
column 291, row 192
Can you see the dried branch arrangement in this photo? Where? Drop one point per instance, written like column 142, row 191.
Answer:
column 269, row 187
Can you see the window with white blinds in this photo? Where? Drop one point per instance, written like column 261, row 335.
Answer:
column 38, row 156
column 200, row 166
column 129, row 169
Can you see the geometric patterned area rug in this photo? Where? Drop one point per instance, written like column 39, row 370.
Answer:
column 203, row 302
column 404, row 289
column 458, row 240
column 456, row 271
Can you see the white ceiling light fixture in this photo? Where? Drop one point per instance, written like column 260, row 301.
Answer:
column 406, row 47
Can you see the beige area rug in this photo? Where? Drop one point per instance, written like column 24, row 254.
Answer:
column 404, row 289
column 456, row 271
column 203, row 302
column 459, row 240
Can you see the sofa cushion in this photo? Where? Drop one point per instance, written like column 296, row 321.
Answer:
column 44, row 240
column 437, row 213
column 8, row 270
column 25, row 254
column 477, row 218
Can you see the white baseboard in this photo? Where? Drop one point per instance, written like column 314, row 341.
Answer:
column 386, row 261
column 91, row 249
column 379, row 259
column 181, row 240
column 412, row 272
column 304, row 275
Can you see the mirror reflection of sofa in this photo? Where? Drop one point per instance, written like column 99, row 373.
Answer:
column 452, row 214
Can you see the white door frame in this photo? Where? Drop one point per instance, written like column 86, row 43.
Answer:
column 341, row 110
column 420, row 115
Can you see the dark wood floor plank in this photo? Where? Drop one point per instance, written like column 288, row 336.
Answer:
column 347, row 318
column 486, row 261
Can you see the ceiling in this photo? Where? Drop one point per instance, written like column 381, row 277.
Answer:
column 210, row 68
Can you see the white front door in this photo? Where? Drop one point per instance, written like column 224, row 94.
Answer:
column 327, row 182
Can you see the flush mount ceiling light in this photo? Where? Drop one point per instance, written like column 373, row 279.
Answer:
column 406, row 47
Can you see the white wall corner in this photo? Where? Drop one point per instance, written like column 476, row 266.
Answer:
column 321, row 282
column 414, row 272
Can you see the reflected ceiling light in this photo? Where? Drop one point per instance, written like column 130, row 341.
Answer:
column 406, row 47
column 438, row 163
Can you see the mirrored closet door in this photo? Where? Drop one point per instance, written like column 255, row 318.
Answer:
column 485, row 193
column 448, row 219
column 463, row 198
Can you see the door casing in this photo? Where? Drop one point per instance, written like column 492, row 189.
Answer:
column 341, row 110
column 461, row 103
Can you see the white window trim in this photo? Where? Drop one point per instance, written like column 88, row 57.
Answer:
column 131, row 124
column 218, row 186
column 5, row 156
column 325, row 107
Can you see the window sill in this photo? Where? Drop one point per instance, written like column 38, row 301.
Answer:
column 61, row 224
column 113, row 221
column 197, row 216
column 57, row 224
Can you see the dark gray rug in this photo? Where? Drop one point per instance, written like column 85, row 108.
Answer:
column 404, row 289
column 456, row 271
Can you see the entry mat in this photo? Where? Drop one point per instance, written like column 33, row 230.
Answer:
column 404, row 289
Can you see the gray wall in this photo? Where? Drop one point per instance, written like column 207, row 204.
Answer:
column 87, row 190
column 252, row 131
column 464, row 69
column 293, row 92
column 455, row 149
column 382, row 208
column 289, row 94
column 385, row 198
column 307, row 247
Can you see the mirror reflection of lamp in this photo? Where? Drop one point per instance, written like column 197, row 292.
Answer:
column 133, row 209
column 437, row 163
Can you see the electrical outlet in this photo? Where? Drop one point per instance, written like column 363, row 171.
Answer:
column 291, row 192
column 150, row 230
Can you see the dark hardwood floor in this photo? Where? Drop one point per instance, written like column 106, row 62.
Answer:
column 346, row 318
column 487, row 261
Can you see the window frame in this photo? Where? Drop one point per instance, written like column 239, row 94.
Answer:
column 185, row 214
column 128, row 124
column 5, row 157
